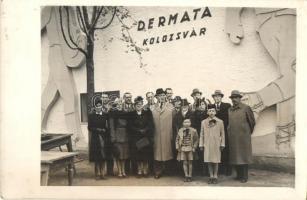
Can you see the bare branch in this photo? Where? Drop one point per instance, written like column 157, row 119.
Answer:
column 93, row 18
column 128, row 38
column 85, row 15
column 114, row 12
column 79, row 14
column 64, row 36
column 79, row 21
column 69, row 33
column 97, row 17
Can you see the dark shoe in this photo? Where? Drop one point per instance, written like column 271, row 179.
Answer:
column 97, row 177
column 190, row 179
column 102, row 177
column 145, row 175
column 210, row 181
column 215, row 181
column 138, row 175
column 243, row 180
column 157, row 176
column 185, row 179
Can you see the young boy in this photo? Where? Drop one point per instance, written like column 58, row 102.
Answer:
column 186, row 144
column 212, row 142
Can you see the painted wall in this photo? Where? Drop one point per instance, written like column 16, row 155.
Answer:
column 206, row 62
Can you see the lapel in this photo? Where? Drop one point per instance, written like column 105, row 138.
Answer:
column 164, row 107
column 157, row 107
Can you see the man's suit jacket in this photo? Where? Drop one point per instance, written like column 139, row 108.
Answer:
column 222, row 113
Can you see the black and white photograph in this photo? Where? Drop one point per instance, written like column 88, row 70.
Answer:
column 154, row 101
column 168, row 96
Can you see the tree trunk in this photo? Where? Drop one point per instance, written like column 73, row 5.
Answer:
column 90, row 75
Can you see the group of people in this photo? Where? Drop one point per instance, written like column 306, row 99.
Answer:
column 208, row 137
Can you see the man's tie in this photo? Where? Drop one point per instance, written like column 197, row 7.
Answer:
column 161, row 106
column 217, row 107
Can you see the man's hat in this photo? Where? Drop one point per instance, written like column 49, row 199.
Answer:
column 235, row 93
column 184, row 102
column 195, row 91
column 211, row 106
column 160, row 91
column 138, row 99
column 218, row 92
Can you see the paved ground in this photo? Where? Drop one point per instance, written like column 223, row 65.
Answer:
column 85, row 177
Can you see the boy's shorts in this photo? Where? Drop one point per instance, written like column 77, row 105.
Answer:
column 186, row 155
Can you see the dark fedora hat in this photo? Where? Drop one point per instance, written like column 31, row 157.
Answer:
column 235, row 93
column 160, row 91
column 218, row 92
column 196, row 90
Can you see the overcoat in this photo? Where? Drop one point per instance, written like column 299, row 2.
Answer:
column 100, row 137
column 197, row 118
column 179, row 117
column 119, row 133
column 212, row 137
column 140, row 128
column 163, row 132
column 222, row 113
column 240, row 127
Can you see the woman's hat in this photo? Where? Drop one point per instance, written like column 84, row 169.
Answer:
column 177, row 98
column 195, row 91
column 98, row 101
column 235, row 93
column 211, row 106
column 138, row 99
column 218, row 92
column 160, row 91
column 184, row 102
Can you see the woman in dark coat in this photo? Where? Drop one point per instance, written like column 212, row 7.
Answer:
column 98, row 125
column 198, row 116
column 141, row 136
column 119, row 137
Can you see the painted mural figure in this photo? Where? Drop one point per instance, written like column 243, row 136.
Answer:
column 277, row 31
column 62, row 60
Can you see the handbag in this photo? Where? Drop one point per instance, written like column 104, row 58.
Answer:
column 142, row 143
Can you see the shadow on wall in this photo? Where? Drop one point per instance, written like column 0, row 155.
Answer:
column 268, row 152
column 264, row 138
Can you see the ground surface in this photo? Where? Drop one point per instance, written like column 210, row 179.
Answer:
column 85, row 177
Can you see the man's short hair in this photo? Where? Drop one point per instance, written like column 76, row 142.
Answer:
column 149, row 93
column 168, row 89
column 126, row 93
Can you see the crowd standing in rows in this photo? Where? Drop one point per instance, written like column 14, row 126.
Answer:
column 208, row 137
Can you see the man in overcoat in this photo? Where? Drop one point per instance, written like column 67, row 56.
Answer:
column 240, row 127
column 222, row 113
column 163, row 113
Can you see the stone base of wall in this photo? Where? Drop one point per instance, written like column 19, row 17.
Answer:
column 274, row 163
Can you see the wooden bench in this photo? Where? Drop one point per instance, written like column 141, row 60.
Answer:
column 56, row 159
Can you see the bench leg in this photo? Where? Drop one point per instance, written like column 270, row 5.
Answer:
column 70, row 149
column 44, row 175
column 70, row 172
